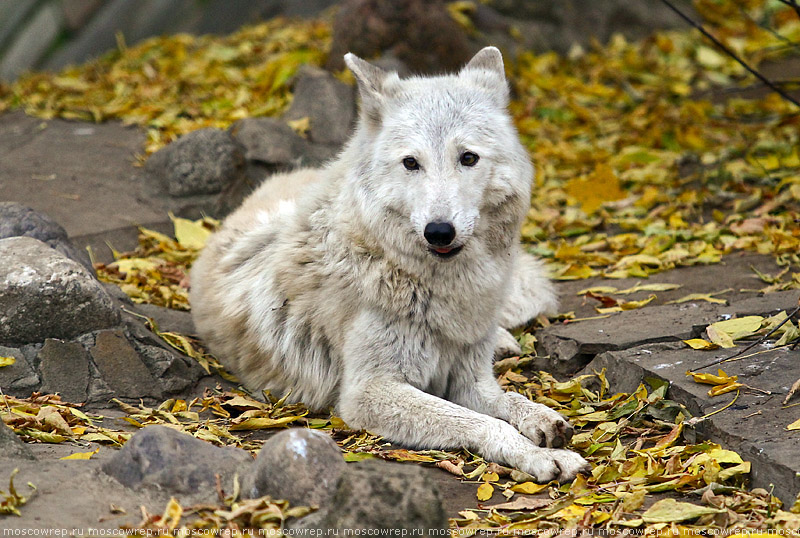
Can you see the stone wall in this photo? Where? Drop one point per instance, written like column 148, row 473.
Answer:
column 49, row 34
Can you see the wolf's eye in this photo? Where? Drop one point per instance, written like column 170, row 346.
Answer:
column 410, row 163
column 468, row 159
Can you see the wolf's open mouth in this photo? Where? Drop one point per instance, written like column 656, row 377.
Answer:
column 445, row 252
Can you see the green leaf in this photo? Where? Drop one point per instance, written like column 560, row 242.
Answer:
column 672, row 511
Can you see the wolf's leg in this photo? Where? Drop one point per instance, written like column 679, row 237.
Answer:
column 474, row 386
column 376, row 395
column 530, row 294
column 506, row 345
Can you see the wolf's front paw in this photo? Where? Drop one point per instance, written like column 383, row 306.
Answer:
column 545, row 427
column 547, row 464
column 506, row 345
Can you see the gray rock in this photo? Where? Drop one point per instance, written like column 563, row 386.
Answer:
column 121, row 367
column 19, row 379
column 300, row 465
column 380, row 495
column 175, row 461
column 44, row 294
column 765, row 305
column 176, row 372
column 574, row 344
column 11, row 447
column 328, row 103
column 65, row 369
column 20, row 220
column 200, row 162
column 273, row 143
column 168, row 319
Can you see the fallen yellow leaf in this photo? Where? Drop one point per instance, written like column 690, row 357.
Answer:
column 794, row 425
column 710, row 379
column 261, row 423
column 699, row 343
column 7, row 361
column 490, row 477
column 593, row 190
column 626, row 305
column 528, row 487
column 709, row 297
column 172, row 514
column 738, row 328
column 722, row 389
column 81, row 455
column 670, row 510
column 190, row 233
column 485, row 491
column 719, row 337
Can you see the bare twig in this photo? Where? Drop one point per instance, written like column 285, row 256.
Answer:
column 732, row 54
column 696, row 420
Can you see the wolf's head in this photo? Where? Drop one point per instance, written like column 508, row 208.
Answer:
column 440, row 168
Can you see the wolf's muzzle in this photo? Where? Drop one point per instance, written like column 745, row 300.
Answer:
column 440, row 236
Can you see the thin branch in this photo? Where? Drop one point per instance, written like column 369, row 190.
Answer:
column 732, row 54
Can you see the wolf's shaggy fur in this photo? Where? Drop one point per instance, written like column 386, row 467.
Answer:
column 322, row 283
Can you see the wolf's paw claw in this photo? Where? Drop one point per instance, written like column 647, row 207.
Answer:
column 546, row 428
column 555, row 464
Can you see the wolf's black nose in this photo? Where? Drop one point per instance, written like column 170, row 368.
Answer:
column 439, row 234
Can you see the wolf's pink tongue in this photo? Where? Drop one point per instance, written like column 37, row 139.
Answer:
column 444, row 250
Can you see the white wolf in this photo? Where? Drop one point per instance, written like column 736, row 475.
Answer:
column 378, row 284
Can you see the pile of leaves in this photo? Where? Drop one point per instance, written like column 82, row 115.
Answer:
column 176, row 84
column 156, row 272
column 248, row 517
column 638, row 172
column 634, row 442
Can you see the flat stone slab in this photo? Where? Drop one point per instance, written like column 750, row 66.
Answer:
column 121, row 367
column 571, row 345
column 755, row 426
column 80, row 174
column 75, row 495
column 65, row 369
column 735, row 273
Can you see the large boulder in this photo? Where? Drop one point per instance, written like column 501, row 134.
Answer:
column 378, row 495
column 174, row 461
column 421, row 33
column 328, row 104
column 272, row 143
column 198, row 163
column 299, row 465
column 44, row 294
column 11, row 447
column 20, row 220
column 18, row 379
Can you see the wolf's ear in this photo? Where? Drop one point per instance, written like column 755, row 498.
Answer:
column 372, row 85
column 486, row 70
